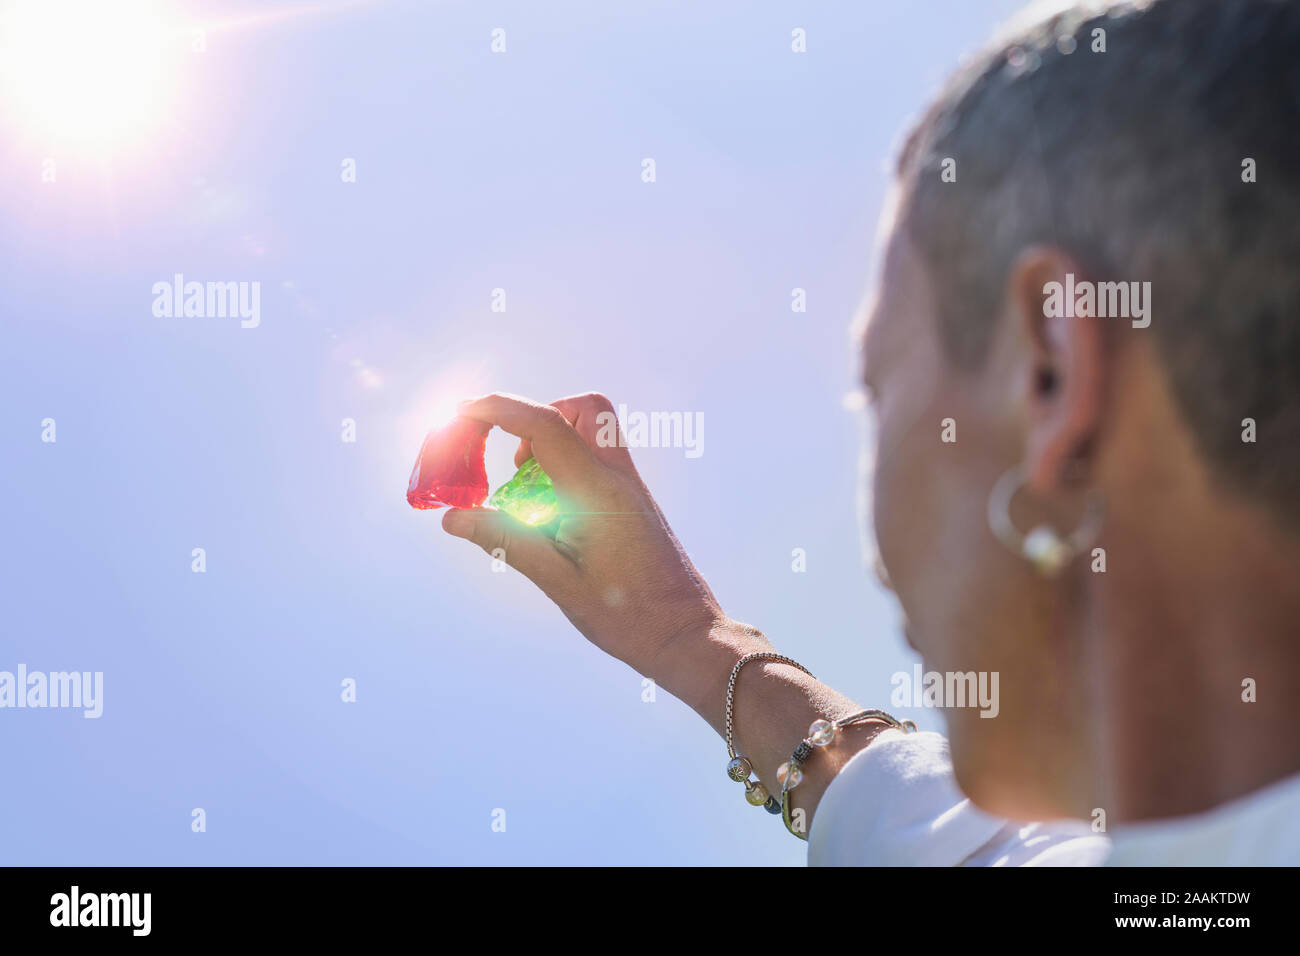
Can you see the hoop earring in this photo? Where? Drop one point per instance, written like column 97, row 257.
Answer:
column 1043, row 547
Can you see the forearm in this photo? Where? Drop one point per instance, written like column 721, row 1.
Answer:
column 670, row 627
column 773, row 706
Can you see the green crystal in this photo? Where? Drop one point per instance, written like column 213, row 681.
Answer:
column 529, row 496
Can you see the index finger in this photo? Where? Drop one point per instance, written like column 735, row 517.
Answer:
column 559, row 449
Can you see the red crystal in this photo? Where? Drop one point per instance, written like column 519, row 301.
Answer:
column 450, row 468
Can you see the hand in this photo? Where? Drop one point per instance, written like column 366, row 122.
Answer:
column 616, row 571
column 614, row 567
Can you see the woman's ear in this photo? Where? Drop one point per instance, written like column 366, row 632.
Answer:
column 1065, row 378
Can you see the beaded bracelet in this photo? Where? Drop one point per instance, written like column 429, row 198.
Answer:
column 739, row 767
column 821, row 734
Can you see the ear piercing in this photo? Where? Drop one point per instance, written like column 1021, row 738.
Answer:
column 1043, row 547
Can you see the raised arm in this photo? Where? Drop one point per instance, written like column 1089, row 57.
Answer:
column 618, row 573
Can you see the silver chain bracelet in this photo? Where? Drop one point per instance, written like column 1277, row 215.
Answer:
column 739, row 767
column 790, row 774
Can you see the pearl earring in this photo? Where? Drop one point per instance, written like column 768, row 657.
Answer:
column 1043, row 546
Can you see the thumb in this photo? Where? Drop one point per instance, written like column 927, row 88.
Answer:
column 527, row 550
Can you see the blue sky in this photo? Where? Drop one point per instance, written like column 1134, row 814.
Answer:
column 474, row 171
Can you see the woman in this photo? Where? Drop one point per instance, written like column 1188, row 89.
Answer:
column 1093, row 499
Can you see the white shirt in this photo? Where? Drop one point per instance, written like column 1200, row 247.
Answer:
column 896, row 803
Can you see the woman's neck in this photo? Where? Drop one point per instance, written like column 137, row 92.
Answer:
column 1194, row 651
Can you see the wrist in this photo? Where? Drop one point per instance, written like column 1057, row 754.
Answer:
column 696, row 664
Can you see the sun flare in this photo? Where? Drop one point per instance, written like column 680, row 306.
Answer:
column 88, row 72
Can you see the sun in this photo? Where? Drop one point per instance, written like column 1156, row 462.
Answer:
column 88, row 72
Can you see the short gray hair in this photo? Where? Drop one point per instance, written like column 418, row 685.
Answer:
column 1132, row 160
